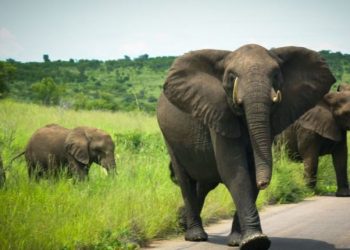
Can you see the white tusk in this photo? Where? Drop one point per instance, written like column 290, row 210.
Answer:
column 236, row 100
column 276, row 97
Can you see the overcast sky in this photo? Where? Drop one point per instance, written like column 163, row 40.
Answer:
column 107, row 29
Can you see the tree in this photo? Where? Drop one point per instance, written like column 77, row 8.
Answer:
column 7, row 71
column 46, row 58
column 143, row 57
column 47, row 91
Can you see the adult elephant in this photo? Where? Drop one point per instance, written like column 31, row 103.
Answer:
column 52, row 147
column 321, row 131
column 218, row 113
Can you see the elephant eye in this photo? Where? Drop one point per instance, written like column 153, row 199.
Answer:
column 231, row 78
column 276, row 81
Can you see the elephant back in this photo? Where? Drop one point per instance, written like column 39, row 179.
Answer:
column 47, row 142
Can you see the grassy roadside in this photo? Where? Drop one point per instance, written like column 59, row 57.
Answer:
column 105, row 213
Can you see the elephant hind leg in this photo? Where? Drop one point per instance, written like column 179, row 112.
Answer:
column 35, row 172
column 202, row 189
column 194, row 227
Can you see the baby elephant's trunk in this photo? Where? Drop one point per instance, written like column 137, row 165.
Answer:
column 109, row 164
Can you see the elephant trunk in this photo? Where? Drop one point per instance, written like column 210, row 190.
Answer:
column 257, row 105
column 109, row 164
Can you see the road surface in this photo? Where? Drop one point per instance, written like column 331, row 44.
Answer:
column 321, row 223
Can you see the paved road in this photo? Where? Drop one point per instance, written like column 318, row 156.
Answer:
column 321, row 223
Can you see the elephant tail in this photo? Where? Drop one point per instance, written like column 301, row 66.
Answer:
column 17, row 156
column 172, row 174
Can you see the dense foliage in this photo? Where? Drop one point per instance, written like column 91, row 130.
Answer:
column 125, row 84
column 339, row 64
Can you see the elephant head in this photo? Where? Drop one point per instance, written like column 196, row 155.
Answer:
column 331, row 116
column 87, row 145
column 266, row 89
column 339, row 103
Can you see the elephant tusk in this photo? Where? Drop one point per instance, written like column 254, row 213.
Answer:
column 276, row 97
column 236, row 100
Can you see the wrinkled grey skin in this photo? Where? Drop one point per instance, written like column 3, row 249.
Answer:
column 2, row 173
column 216, row 136
column 321, row 131
column 53, row 146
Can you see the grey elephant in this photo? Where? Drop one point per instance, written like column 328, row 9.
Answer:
column 52, row 147
column 321, row 131
column 218, row 113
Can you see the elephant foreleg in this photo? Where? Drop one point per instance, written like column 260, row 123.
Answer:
column 310, row 161
column 340, row 163
column 233, row 167
column 309, row 148
column 77, row 170
column 235, row 237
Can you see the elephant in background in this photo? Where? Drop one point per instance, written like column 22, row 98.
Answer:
column 218, row 113
column 53, row 147
column 321, row 131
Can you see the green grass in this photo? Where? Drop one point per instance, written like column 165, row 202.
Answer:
column 140, row 204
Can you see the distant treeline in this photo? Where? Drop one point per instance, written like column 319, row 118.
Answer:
column 125, row 84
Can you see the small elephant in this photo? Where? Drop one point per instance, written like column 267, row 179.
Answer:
column 218, row 113
column 52, row 147
column 320, row 131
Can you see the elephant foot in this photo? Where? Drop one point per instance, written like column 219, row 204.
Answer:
column 256, row 241
column 196, row 234
column 342, row 192
column 234, row 239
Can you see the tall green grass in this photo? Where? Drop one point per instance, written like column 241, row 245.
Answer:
column 140, row 204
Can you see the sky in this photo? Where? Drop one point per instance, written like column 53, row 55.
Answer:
column 111, row 29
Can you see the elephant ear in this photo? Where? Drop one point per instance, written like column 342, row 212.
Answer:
column 194, row 85
column 320, row 119
column 306, row 79
column 76, row 145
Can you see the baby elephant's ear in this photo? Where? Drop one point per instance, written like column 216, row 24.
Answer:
column 306, row 79
column 320, row 120
column 76, row 145
column 194, row 85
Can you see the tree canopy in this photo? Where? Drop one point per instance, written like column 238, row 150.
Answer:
column 124, row 84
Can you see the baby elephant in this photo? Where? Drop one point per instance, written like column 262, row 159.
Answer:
column 320, row 131
column 53, row 147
